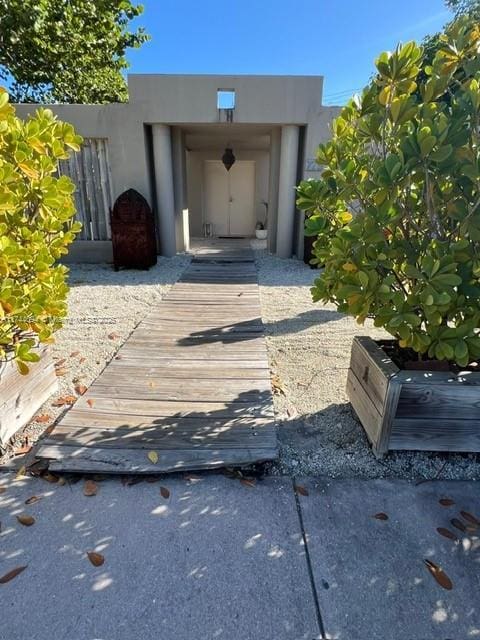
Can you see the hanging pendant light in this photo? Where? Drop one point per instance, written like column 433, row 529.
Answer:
column 228, row 158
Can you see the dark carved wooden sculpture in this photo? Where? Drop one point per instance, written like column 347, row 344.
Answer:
column 133, row 232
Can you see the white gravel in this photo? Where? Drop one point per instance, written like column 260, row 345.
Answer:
column 309, row 349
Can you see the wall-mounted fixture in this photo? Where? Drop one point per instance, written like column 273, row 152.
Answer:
column 228, row 158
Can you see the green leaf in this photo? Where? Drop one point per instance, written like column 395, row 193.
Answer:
column 427, row 144
column 22, row 367
column 446, row 280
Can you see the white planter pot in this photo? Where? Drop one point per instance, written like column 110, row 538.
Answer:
column 261, row 234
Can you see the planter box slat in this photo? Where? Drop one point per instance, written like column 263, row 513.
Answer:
column 450, row 400
column 415, row 410
column 364, row 407
column 22, row 396
column 429, row 435
column 371, row 377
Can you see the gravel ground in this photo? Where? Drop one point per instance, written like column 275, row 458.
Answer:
column 309, row 349
column 101, row 303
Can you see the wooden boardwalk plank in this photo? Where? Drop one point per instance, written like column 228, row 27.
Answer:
column 192, row 382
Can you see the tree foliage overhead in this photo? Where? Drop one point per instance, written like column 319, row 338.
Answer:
column 462, row 7
column 397, row 207
column 67, row 50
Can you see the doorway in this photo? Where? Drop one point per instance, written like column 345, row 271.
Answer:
column 229, row 198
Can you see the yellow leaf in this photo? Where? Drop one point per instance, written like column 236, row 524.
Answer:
column 37, row 145
column 28, row 170
column 384, row 95
column 153, row 457
column 349, row 266
column 345, row 217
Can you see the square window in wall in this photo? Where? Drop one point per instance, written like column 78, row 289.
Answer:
column 226, row 99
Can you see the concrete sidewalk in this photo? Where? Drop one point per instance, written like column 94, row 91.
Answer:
column 219, row 559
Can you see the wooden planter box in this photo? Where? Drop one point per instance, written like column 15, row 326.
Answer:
column 404, row 409
column 22, row 396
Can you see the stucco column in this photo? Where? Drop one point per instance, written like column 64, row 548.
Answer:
column 286, row 191
column 273, row 182
column 179, row 189
column 162, row 158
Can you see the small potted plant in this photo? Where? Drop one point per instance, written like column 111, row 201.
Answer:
column 261, row 226
column 396, row 216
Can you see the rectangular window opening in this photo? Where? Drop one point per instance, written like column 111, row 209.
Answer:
column 226, row 99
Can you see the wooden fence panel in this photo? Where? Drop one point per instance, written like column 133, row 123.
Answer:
column 90, row 171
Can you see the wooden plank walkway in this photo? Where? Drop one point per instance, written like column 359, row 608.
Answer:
column 191, row 383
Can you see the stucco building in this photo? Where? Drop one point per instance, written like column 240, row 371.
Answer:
column 168, row 142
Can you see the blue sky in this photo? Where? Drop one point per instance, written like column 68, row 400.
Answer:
column 336, row 39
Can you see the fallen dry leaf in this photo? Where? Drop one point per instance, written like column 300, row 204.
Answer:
column 26, row 520
column 164, row 492
column 95, row 558
column 151, row 384
column 458, row 524
column 247, row 482
column 446, row 502
column 43, row 417
column 90, row 488
column 232, row 473
column 82, row 360
column 74, row 354
column 470, row 518
column 90, row 402
column 49, row 477
column 118, row 357
column 191, row 478
column 20, row 451
column 21, row 472
column 277, row 385
column 80, row 389
column 446, row 533
column 301, row 490
column 129, row 481
column 59, row 363
column 32, row 500
column 10, row 575
column 60, row 372
column 113, row 336
column 381, row 516
column 63, row 400
column 439, row 574
column 153, row 457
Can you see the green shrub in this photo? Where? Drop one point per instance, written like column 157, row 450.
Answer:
column 36, row 210
column 397, row 207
